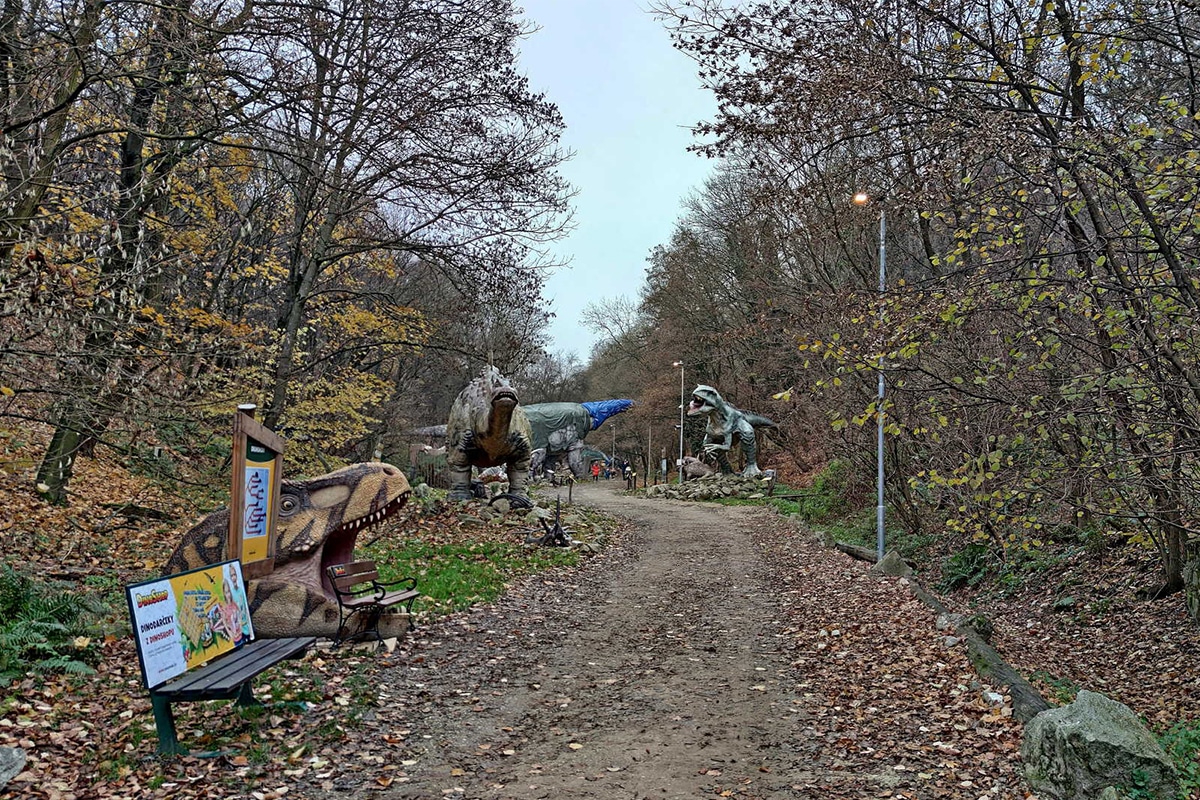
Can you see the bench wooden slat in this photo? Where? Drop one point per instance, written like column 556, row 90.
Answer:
column 390, row 599
column 347, row 583
column 224, row 676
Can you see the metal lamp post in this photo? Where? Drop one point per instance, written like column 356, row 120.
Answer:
column 614, row 445
column 862, row 198
column 681, row 409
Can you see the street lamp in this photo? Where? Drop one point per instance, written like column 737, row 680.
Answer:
column 862, row 199
column 681, row 404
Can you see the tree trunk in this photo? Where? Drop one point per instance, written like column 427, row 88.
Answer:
column 126, row 282
column 55, row 471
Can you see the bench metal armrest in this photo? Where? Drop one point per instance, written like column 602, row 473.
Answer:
column 401, row 583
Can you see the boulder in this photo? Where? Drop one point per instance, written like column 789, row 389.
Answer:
column 948, row 621
column 892, row 565
column 1078, row 751
column 12, row 761
column 536, row 513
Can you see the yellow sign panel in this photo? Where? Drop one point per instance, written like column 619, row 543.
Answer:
column 258, row 487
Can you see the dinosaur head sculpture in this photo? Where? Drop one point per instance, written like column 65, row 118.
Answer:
column 705, row 400
column 317, row 524
column 489, row 400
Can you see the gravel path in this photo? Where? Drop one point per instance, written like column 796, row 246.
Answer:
column 716, row 652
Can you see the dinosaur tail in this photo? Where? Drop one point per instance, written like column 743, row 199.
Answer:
column 759, row 421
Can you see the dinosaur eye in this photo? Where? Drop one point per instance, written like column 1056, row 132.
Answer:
column 288, row 504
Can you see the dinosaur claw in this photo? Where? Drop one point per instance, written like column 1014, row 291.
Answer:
column 515, row 500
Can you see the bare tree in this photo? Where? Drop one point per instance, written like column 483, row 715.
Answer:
column 402, row 128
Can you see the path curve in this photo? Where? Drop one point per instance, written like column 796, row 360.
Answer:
column 691, row 661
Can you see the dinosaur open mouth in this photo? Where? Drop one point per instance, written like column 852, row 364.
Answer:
column 339, row 545
column 696, row 404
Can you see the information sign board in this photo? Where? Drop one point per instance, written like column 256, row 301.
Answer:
column 182, row 621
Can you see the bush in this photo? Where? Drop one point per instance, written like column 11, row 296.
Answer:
column 829, row 496
column 44, row 628
column 1182, row 743
column 967, row 567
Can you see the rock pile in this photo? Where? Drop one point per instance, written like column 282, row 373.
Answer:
column 712, row 487
column 502, row 511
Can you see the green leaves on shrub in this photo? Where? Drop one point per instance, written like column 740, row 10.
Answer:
column 829, row 497
column 967, row 567
column 1182, row 743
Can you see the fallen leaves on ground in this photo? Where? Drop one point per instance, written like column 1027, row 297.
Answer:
column 881, row 684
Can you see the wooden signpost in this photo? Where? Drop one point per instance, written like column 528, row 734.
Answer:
column 254, row 493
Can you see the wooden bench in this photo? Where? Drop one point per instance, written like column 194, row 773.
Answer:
column 195, row 641
column 363, row 598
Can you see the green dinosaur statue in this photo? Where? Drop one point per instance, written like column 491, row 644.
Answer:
column 487, row 428
column 725, row 424
column 560, row 428
column 317, row 524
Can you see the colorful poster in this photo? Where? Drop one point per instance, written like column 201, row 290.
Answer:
column 185, row 620
column 259, row 482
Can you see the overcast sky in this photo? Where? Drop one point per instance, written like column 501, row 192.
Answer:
column 628, row 99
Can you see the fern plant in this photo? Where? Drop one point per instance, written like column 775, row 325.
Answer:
column 43, row 628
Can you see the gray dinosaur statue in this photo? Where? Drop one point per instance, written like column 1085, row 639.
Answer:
column 560, row 428
column 317, row 524
column 727, row 423
column 487, row 428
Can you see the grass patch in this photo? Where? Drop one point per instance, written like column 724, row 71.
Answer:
column 827, row 500
column 452, row 576
column 859, row 527
column 297, row 682
column 829, row 506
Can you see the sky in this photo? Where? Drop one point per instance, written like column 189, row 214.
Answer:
column 628, row 99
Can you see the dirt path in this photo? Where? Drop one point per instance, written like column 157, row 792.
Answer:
column 696, row 660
